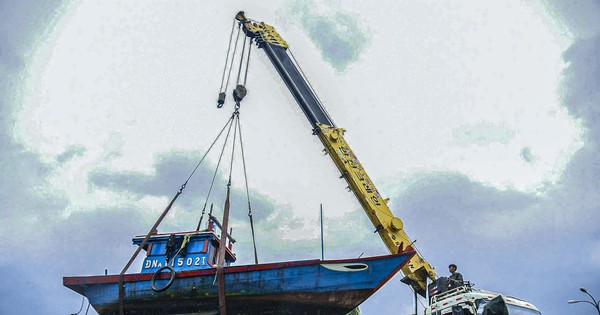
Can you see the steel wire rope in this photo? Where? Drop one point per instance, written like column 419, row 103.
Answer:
column 233, row 146
column 224, row 235
column 241, row 61
column 310, row 85
column 229, row 122
column 81, row 307
column 247, row 190
column 227, row 57
column 232, row 56
column 209, row 148
column 248, row 62
column 213, row 143
column 420, row 302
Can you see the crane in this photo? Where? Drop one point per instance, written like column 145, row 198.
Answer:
column 443, row 300
column 389, row 227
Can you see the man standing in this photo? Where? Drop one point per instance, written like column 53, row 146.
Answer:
column 456, row 279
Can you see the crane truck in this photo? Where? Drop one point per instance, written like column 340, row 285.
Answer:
column 418, row 273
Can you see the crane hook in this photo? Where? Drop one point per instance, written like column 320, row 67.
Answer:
column 221, row 100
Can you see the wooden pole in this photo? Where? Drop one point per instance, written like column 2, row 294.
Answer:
column 221, row 257
column 137, row 251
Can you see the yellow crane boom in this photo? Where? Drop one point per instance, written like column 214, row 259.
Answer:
column 389, row 227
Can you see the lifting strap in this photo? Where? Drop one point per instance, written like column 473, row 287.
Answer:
column 221, row 257
column 224, row 227
column 239, row 126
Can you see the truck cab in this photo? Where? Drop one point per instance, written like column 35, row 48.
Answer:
column 466, row 300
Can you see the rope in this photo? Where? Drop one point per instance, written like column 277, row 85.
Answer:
column 229, row 122
column 227, row 58
column 80, row 308
column 223, row 242
column 248, row 62
column 233, row 57
column 186, row 240
column 309, row 85
column 201, row 217
column 241, row 61
column 221, row 255
column 233, row 147
column 209, row 148
column 211, row 145
column 247, row 191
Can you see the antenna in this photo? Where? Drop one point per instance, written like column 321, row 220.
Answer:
column 322, row 242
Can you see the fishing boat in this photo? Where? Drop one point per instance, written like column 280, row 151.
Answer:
column 179, row 276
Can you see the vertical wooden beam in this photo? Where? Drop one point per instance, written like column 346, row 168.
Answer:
column 221, row 257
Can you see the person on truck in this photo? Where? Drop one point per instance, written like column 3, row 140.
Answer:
column 455, row 279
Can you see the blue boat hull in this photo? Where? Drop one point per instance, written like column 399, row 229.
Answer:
column 300, row 287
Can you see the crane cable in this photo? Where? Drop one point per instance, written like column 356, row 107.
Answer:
column 229, row 123
column 312, row 90
column 247, row 191
column 238, row 94
column 221, row 261
column 241, row 62
column 223, row 88
column 248, row 61
column 81, row 308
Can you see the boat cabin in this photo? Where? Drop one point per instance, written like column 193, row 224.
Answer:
column 185, row 250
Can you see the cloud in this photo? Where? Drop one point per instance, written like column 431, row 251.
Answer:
column 71, row 152
column 83, row 243
column 549, row 230
column 581, row 17
column 453, row 204
column 529, row 245
column 482, row 134
column 298, row 236
column 502, row 240
column 170, row 172
column 23, row 190
column 576, row 196
column 581, row 81
column 527, row 155
column 337, row 34
column 10, row 61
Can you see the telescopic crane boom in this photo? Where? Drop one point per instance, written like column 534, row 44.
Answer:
column 389, row 227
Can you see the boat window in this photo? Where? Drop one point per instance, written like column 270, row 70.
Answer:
column 158, row 249
column 199, row 246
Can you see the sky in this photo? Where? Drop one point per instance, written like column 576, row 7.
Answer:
column 478, row 121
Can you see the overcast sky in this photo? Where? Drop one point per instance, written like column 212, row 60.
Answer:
column 478, row 120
